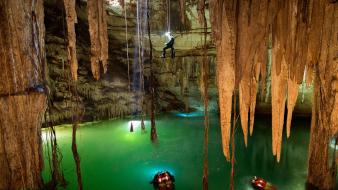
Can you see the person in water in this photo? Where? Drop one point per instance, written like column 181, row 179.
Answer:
column 168, row 45
column 260, row 184
column 163, row 181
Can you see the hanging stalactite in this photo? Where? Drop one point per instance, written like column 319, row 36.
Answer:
column 98, row 36
column 222, row 16
column 291, row 102
column 71, row 19
column 284, row 27
column 250, row 53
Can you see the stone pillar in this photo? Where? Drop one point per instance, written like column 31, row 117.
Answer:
column 22, row 97
column 324, row 125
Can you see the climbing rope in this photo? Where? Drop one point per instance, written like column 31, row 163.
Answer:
column 127, row 46
column 168, row 15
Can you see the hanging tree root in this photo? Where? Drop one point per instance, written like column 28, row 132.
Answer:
column 76, row 157
column 204, row 90
column 153, row 133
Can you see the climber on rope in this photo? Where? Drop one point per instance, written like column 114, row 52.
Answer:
column 170, row 45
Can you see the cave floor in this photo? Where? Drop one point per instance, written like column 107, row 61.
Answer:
column 114, row 158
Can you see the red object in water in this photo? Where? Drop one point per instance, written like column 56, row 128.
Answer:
column 163, row 181
column 258, row 183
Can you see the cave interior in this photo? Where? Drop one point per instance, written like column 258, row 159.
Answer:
column 211, row 94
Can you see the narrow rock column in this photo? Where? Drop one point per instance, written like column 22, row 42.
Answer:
column 22, row 103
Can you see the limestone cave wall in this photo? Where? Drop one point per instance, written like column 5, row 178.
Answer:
column 116, row 94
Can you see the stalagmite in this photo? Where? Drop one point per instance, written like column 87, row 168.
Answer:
column 71, row 19
column 222, row 15
column 98, row 36
column 131, row 127
column 22, row 61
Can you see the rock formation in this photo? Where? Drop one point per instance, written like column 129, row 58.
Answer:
column 98, row 36
column 303, row 36
column 22, row 98
column 71, row 19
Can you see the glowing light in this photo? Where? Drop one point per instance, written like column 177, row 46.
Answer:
column 168, row 34
column 191, row 114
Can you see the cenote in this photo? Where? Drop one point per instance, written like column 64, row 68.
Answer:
column 112, row 157
column 168, row 95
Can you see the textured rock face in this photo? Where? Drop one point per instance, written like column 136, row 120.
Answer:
column 20, row 141
column 22, row 103
column 177, row 80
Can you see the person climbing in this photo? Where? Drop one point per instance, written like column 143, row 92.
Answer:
column 168, row 45
column 163, row 181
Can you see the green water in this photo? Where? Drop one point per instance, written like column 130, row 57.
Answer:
column 114, row 158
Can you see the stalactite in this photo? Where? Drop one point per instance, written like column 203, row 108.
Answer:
column 71, row 19
column 98, row 36
column 278, row 98
column 222, row 16
column 292, row 99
